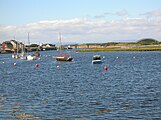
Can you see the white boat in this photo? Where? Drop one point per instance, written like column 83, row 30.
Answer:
column 25, row 56
column 16, row 56
column 96, row 59
column 30, row 57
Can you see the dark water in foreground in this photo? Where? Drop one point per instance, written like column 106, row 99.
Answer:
column 130, row 89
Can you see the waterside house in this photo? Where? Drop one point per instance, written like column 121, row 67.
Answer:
column 48, row 47
column 15, row 46
column 7, row 47
column 0, row 48
column 12, row 46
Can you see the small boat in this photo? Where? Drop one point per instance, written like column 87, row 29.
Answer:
column 16, row 56
column 23, row 57
column 64, row 57
column 96, row 59
column 37, row 54
column 30, row 57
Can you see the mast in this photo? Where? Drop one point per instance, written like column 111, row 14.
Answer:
column 17, row 47
column 28, row 41
column 28, row 38
column 60, row 42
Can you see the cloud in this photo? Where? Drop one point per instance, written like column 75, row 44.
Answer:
column 155, row 13
column 83, row 30
column 122, row 13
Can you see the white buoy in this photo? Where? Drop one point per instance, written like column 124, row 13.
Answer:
column 14, row 64
column 3, row 62
column 57, row 66
column 117, row 57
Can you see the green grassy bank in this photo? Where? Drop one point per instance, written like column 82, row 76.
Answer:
column 120, row 49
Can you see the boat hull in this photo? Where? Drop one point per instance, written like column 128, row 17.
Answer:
column 96, row 61
column 64, row 59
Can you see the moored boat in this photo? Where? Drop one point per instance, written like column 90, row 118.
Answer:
column 30, row 57
column 96, row 59
column 64, row 57
column 37, row 54
column 16, row 56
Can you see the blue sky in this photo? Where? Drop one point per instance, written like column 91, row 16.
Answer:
column 18, row 14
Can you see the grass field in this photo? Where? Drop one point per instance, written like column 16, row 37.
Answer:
column 111, row 49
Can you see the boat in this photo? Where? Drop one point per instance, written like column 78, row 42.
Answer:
column 23, row 55
column 26, row 56
column 37, row 54
column 96, row 59
column 16, row 56
column 30, row 57
column 63, row 57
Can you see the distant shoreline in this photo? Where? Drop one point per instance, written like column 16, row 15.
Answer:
column 119, row 49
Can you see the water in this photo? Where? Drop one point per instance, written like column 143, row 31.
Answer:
column 129, row 89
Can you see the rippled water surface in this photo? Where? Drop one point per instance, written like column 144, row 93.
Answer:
column 129, row 89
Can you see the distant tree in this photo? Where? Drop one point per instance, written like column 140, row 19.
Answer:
column 148, row 41
column 33, row 45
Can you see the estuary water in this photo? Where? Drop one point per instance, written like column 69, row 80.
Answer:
column 130, row 89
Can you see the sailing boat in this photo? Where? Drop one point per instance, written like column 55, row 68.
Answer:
column 63, row 57
column 25, row 56
column 30, row 57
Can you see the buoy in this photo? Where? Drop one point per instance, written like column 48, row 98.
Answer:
column 117, row 57
column 105, row 68
column 14, row 64
column 36, row 65
column 57, row 66
column 3, row 62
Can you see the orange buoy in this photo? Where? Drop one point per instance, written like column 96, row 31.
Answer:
column 36, row 65
column 105, row 68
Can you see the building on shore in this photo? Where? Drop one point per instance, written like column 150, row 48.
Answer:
column 12, row 46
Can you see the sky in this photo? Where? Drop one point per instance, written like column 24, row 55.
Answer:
column 80, row 21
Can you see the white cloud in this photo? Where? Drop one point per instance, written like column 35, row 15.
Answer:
column 83, row 30
column 155, row 13
column 122, row 13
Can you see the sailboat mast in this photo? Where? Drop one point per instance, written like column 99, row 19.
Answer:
column 28, row 38
column 60, row 42
column 28, row 41
column 17, row 47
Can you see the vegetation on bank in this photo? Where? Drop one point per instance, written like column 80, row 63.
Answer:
column 120, row 49
column 147, row 44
